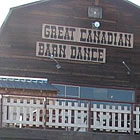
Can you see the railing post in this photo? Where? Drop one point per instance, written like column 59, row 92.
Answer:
column 89, row 116
column 1, row 109
column 45, row 111
column 132, row 120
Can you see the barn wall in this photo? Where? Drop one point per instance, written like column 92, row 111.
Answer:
column 23, row 28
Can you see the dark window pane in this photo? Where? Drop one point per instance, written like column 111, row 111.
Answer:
column 121, row 95
column 72, row 91
column 100, row 93
column 86, row 92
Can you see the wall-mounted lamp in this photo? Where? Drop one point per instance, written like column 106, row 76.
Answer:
column 58, row 66
column 96, row 25
column 127, row 67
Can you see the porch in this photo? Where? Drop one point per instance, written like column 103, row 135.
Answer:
column 69, row 114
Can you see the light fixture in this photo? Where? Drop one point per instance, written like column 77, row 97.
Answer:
column 126, row 66
column 96, row 25
column 58, row 66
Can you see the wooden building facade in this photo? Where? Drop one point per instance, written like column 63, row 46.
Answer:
column 92, row 62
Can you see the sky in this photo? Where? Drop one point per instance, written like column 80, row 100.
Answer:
column 7, row 4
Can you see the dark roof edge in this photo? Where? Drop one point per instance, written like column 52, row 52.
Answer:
column 42, row 1
column 5, row 20
column 133, row 4
column 18, row 7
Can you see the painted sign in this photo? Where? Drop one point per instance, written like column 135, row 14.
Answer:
column 71, row 52
column 83, row 35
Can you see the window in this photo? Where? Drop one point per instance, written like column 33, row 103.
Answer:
column 100, row 93
column 121, row 95
column 86, row 92
column 72, row 91
column 107, row 94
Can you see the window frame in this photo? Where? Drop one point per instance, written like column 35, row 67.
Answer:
column 107, row 87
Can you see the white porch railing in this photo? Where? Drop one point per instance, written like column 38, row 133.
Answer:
column 69, row 114
column 22, row 111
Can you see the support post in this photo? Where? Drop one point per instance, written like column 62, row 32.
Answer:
column 45, row 111
column 132, row 119
column 89, row 116
column 1, row 109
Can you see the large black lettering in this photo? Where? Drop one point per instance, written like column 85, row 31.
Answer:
column 120, row 43
column 110, row 38
column 94, row 54
column 67, row 36
column 46, row 31
column 83, row 34
column 115, row 38
column 103, row 40
column 72, row 33
column 54, row 50
column 79, row 54
column 62, row 51
column 89, row 39
column 127, row 40
column 100, row 55
column 53, row 32
column 86, row 53
column 96, row 36
column 60, row 32
column 41, row 48
column 47, row 51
